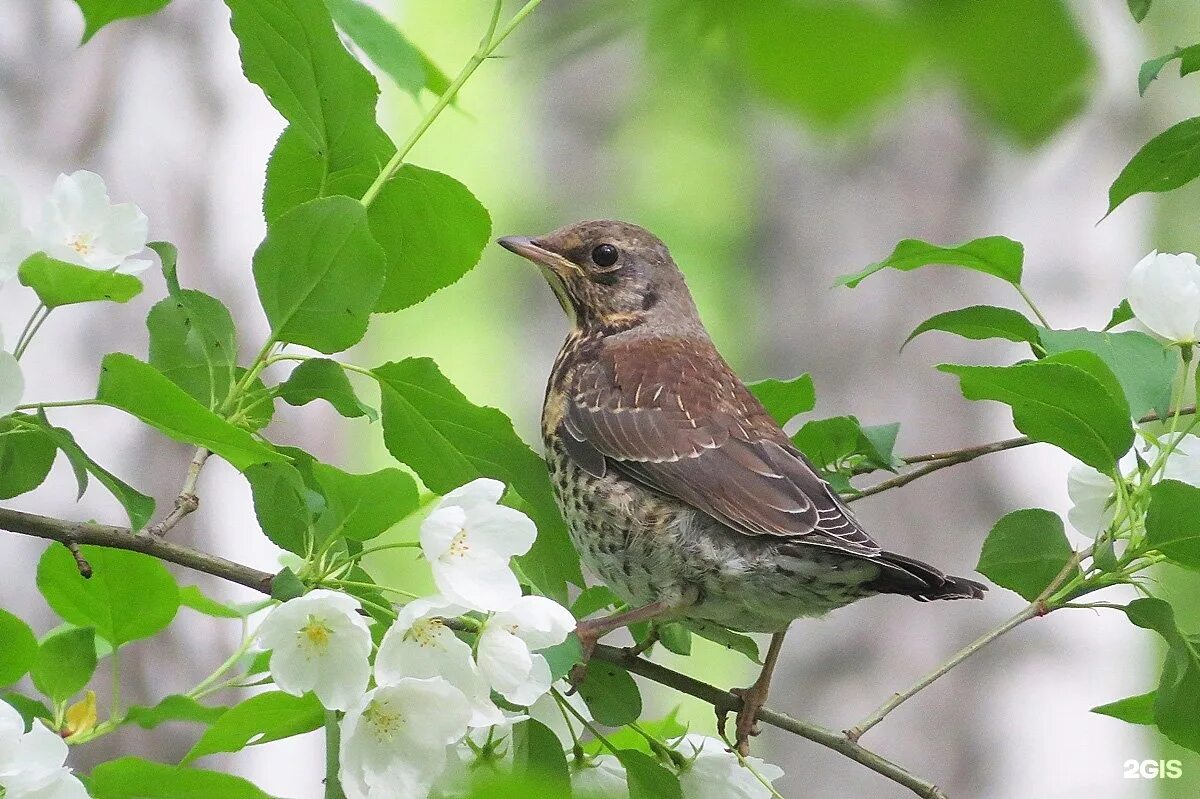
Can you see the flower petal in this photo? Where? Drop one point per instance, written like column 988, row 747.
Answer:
column 12, row 383
column 478, row 582
column 504, row 659
column 439, row 529
column 480, row 492
column 535, row 686
column 501, row 530
column 538, row 621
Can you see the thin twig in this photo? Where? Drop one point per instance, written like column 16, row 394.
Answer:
column 724, row 701
column 1034, row 609
column 187, row 501
column 936, row 461
column 81, row 563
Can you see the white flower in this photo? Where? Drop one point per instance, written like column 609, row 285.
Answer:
column 419, row 644
column 81, row 225
column 602, row 778
column 716, row 773
column 547, row 711
column 394, row 739
column 1164, row 293
column 508, row 643
column 15, row 243
column 12, row 383
column 469, row 540
column 31, row 763
column 1183, row 463
column 1092, row 493
column 319, row 643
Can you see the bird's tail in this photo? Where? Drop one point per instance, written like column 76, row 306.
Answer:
column 921, row 581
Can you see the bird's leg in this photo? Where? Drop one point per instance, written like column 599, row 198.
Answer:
column 753, row 698
column 592, row 630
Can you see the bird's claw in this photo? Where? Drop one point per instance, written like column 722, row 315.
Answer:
column 747, row 725
column 587, row 645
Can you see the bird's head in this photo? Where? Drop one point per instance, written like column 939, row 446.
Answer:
column 611, row 274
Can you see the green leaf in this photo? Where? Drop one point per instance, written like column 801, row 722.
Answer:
column 65, row 663
column 611, row 694
column 138, row 507
column 827, row 442
column 321, row 378
column 1189, row 62
column 1121, row 314
column 190, row 596
column 1178, row 693
column 26, row 455
column 1133, row 709
column 1025, row 551
column 842, row 442
column 1058, row 403
column 193, row 343
column 175, row 707
column 433, row 231
column 538, row 753
column 141, row 390
column 383, row 43
column 1173, row 522
column 1144, row 368
column 333, row 144
column 283, row 504
column 648, row 779
column 29, row 709
column 20, row 648
column 727, row 638
column 59, row 283
column 260, row 719
column 129, row 595
column 980, row 322
column 1024, row 65
column 98, row 13
column 994, row 255
column 286, row 585
column 626, row 738
column 819, row 40
column 785, row 399
column 563, row 657
column 675, row 638
column 1139, row 9
column 168, row 257
column 429, row 425
column 319, row 273
column 592, row 599
column 362, row 506
column 1168, row 161
column 134, row 778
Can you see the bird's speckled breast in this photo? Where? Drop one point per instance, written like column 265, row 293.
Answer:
column 647, row 547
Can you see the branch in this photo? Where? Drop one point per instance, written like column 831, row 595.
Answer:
column 724, row 701
column 104, row 535
column 1038, row 607
column 188, row 500
column 77, row 533
column 935, row 461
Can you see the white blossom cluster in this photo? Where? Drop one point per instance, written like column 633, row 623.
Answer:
column 78, row 224
column 419, row 718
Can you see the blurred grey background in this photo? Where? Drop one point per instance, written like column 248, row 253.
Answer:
column 771, row 164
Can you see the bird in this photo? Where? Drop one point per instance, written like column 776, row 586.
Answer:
column 679, row 490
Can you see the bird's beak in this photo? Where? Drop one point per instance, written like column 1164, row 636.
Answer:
column 529, row 248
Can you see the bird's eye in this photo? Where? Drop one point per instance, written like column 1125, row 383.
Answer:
column 605, row 255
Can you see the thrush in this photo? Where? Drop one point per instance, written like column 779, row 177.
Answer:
column 678, row 489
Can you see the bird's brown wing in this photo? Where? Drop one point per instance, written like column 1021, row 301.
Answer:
column 674, row 417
